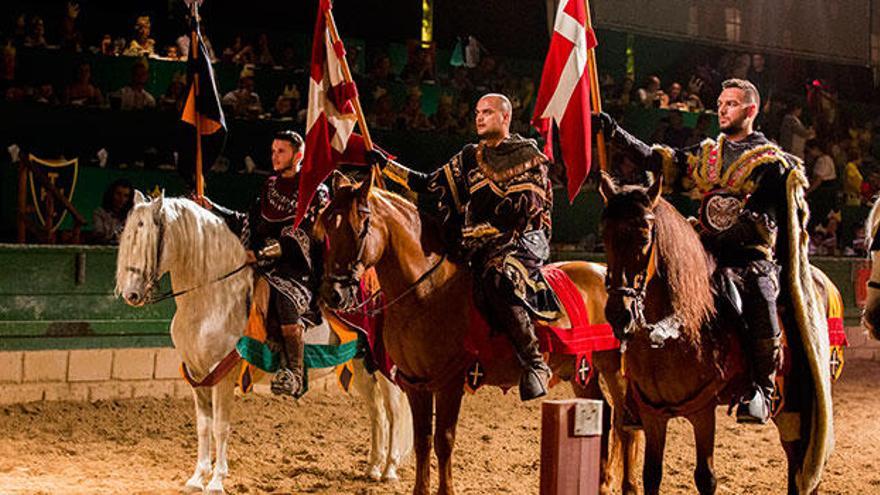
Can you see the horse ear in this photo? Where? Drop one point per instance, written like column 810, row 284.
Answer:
column 161, row 198
column 606, row 186
column 655, row 190
column 339, row 180
column 139, row 197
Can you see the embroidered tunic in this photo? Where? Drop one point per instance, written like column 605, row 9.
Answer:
column 296, row 273
column 744, row 194
column 496, row 203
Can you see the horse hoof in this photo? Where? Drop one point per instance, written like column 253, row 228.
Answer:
column 214, row 488
column 390, row 474
column 193, row 485
column 374, row 473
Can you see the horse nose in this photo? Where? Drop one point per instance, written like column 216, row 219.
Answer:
column 620, row 319
column 132, row 297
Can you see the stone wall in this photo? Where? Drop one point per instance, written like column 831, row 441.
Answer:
column 861, row 346
column 102, row 374
column 90, row 374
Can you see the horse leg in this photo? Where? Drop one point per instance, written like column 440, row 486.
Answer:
column 422, row 404
column 655, row 444
column 368, row 388
column 791, row 449
column 204, row 421
column 223, row 402
column 448, row 408
column 398, row 412
column 703, row 423
column 624, row 449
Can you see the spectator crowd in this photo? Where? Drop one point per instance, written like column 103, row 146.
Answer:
column 839, row 146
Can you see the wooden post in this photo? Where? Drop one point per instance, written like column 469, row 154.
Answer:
column 21, row 222
column 595, row 96
column 194, row 53
column 571, row 441
column 48, row 218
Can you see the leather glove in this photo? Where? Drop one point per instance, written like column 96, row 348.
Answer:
column 604, row 123
column 376, row 156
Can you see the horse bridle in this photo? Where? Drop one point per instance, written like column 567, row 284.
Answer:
column 637, row 290
column 355, row 270
column 154, row 276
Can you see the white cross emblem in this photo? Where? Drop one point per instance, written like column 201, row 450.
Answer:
column 583, row 371
column 475, row 375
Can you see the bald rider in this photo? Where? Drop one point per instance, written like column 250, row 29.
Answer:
column 495, row 201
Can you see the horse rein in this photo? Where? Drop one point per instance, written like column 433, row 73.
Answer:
column 155, row 276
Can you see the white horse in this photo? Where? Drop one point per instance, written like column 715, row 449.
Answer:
column 871, row 314
column 176, row 236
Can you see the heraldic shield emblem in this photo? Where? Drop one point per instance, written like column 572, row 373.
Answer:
column 62, row 174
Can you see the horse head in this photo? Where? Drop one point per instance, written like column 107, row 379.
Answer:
column 353, row 242
column 139, row 262
column 629, row 238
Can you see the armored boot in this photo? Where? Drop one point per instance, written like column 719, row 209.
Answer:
column 757, row 405
column 289, row 379
column 535, row 372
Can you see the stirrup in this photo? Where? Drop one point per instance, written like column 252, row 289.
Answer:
column 754, row 409
column 286, row 382
column 533, row 382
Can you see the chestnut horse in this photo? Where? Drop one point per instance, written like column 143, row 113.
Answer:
column 426, row 317
column 681, row 357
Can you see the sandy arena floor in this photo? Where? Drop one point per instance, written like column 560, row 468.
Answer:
column 143, row 446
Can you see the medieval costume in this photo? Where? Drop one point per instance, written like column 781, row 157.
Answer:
column 495, row 203
column 289, row 262
column 753, row 218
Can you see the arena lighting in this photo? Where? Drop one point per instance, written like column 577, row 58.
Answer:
column 427, row 23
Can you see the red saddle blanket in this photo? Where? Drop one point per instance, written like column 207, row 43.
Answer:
column 579, row 340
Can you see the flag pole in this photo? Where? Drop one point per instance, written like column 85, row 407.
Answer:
column 595, row 97
column 346, row 73
column 194, row 52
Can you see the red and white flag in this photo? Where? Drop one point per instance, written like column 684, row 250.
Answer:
column 564, row 95
column 330, row 137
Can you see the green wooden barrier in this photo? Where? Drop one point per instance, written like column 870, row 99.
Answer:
column 62, row 298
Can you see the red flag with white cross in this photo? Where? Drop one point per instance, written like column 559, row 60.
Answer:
column 564, row 95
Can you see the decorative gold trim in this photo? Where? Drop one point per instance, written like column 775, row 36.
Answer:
column 453, row 189
column 738, row 174
column 525, row 186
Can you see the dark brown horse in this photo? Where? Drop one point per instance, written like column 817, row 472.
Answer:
column 428, row 301
column 682, row 357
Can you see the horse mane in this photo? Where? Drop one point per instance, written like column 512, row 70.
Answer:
column 686, row 266
column 196, row 241
column 429, row 226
